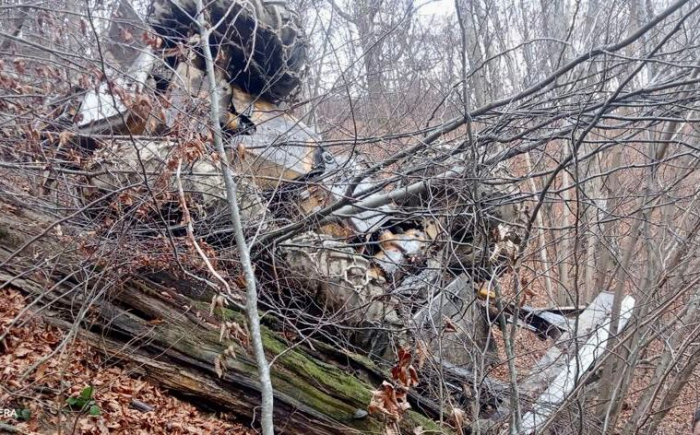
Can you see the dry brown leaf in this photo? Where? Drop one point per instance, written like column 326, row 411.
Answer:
column 422, row 353
column 152, row 40
column 241, row 151
column 457, row 418
column 19, row 65
column 116, row 389
column 218, row 366
column 389, row 401
column 403, row 371
column 449, row 325
column 22, row 352
column 65, row 137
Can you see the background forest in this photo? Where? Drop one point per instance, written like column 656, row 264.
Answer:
column 495, row 172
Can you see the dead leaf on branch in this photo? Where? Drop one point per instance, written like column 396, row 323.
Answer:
column 217, row 301
column 457, row 418
column 65, row 137
column 152, row 40
column 449, row 325
column 403, row 372
column 233, row 330
column 193, row 149
column 219, row 366
column 220, row 360
column 19, row 65
column 241, row 149
column 390, row 401
column 422, row 353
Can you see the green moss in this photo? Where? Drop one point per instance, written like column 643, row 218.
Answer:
column 228, row 314
column 295, row 374
column 363, row 361
column 326, row 388
column 331, row 378
column 321, row 386
column 412, row 419
column 355, row 358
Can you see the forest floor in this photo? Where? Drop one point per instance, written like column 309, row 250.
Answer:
column 70, row 388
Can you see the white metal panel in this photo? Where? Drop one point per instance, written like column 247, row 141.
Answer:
column 567, row 379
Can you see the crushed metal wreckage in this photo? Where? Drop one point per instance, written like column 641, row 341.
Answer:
column 404, row 279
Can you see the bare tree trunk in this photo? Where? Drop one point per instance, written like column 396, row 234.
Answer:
column 608, row 254
column 541, row 238
column 18, row 25
column 610, row 370
column 564, row 297
column 631, row 353
column 593, row 239
column 241, row 244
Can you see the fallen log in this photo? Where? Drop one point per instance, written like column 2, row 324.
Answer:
column 172, row 339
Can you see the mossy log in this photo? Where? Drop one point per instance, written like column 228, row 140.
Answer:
column 172, row 340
